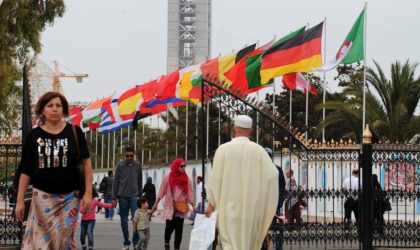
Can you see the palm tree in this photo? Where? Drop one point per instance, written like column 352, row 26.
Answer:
column 398, row 100
column 390, row 104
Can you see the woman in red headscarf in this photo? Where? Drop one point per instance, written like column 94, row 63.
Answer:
column 176, row 187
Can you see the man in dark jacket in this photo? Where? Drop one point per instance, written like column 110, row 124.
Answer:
column 109, row 212
column 278, row 237
column 127, row 189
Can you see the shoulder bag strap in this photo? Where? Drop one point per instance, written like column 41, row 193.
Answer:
column 76, row 139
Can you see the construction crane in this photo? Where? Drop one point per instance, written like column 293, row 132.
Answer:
column 39, row 74
column 58, row 75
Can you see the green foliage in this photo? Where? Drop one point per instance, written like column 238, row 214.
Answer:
column 21, row 25
column 390, row 103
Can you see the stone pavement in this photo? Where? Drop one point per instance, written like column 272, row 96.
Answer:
column 108, row 234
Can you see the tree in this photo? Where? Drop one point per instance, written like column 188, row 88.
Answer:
column 390, row 104
column 21, row 24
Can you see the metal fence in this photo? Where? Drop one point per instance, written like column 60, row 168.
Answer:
column 380, row 209
column 10, row 228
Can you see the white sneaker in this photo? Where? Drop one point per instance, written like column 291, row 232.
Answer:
column 125, row 247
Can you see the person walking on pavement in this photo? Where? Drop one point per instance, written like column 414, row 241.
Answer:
column 176, row 187
column 351, row 204
column 149, row 192
column 109, row 212
column 279, row 234
column 50, row 158
column 88, row 221
column 126, row 190
column 243, row 188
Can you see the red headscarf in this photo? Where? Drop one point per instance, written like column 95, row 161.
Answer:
column 176, row 178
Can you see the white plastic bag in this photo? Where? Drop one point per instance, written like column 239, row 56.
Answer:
column 203, row 234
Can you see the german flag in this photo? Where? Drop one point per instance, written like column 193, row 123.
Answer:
column 301, row 53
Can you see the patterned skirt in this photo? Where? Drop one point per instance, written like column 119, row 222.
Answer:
column 51, row 222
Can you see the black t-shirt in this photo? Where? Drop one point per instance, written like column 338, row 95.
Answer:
column 50, row 160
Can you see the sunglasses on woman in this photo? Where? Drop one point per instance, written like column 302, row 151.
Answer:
column 183, row 165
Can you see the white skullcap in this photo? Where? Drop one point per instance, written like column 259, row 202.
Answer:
column 243, row 121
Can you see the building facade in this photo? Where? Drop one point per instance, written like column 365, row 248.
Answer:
column 189, row 32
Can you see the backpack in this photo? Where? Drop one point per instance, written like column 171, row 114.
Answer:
column 102, row 185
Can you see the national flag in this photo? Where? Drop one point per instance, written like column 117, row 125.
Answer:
column 301, row 53
column 296, row 81
column 75, row 115
column 189, row 83
column 226, row 62
column 161, row 105
column 210, row 68
column 92, row 113
column 253, row 63
column 111, row 120
column 352, row 49
column 166, row 85
column 130, row 101
column 237, row 73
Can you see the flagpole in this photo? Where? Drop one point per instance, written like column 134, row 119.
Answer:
column 150, row 136
column 121, row 140
column 306, row 109
column 258, row 122
column 324, row 80
column 307, row 102
column 274, row 110
column 176, row 137
column 207, row 139
column 128, row 137
column 142, row 146
column 135, row 144
column 364, row 70
column 290, row 110
column 108, row 148
column 218, row 141
column 102, row 151
column 167, row 143
column 113, row 150
column 96, row 149
column 196, row 132
column 158, row 136
column 186, row 132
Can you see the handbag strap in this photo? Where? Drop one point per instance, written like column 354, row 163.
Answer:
column 76, row 139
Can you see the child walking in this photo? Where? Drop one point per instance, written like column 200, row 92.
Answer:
column 88, row 222
column 141, row 223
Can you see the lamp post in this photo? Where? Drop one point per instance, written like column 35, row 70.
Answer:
column 26, row 104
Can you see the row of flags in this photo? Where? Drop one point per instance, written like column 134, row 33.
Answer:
column 247, row 70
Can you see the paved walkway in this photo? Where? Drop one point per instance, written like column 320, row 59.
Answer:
column 108, row 234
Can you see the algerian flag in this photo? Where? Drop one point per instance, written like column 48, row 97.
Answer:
column 352, row 49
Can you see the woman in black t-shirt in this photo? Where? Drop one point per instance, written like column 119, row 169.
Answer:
column 49, row 162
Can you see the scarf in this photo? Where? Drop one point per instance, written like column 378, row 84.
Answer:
column 176, row 178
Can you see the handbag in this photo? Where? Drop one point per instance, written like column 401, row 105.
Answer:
column 387, row 205
column 79, row 166
column 181, row 206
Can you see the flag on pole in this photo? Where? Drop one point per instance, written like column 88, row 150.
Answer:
column 111, row 120
column 351, row 50
column 129, row 102
column 301, row 53
column 237, row 73
column 296, row 81
column 253, row 63
column 92, row 113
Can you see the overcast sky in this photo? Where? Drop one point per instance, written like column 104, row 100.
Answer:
column 123, row 43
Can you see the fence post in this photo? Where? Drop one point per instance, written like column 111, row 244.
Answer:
column 367, row 206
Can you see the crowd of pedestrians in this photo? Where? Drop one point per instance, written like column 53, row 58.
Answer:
column 245, row 187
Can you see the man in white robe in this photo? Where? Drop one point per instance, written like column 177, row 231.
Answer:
column 243, row 189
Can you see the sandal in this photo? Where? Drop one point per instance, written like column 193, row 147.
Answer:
column 167, row 246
